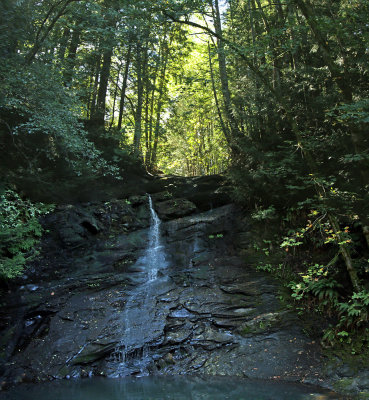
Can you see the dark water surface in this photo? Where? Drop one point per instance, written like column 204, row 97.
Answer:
column 160, row 388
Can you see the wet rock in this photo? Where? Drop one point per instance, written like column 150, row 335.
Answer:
column 180, row 313
column 206, row 312
column 73, row 224
column 169, row 359
column 161, row 196
column 93, row 352
column 174, row 208
column 32, row 288
column 212, row 335
column 261, row 323
column 240, row 288
column 137, row 200
column 163, row 363
column 178, row 333
column 207, row 192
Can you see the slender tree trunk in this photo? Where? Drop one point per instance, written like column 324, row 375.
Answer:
column 63, row 44
column 222, row 124
column 95, row 87
column 294, row 56
column 99, row 116
column 147, row 91
column 345, row 254
column 147, row 119
column 165, row 53
column 124, row 87
column 115, row 96
column 151, row 125
column 253, row 35
column 138, row 116
column 309, row 14
column 149, row 143
column 235, row 134
column 71, row 57
column 273, row 46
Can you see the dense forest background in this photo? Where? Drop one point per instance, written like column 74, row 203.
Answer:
column 272, row 93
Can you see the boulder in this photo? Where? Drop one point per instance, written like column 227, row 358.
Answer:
column 174, row 208
column 73, row 224
column 206, row 192
column 162, row 196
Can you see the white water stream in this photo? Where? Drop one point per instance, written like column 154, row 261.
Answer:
column 139, row 314
column 155, row 256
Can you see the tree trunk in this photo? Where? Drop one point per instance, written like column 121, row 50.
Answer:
column 165, row 53
column 235, row 134
column 115, row 97
column 138, row 116
column 151, row 124
column 63, row 44
column 95, row 87
column 345, row 254
column 99, row 117
column 71, row 57
column 222, row 124
column 124, row 87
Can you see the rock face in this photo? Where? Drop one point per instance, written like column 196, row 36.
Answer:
column 204, row 311
column 174, row 208
column 206, row 192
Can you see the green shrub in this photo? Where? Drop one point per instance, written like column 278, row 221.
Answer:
column 20, row 232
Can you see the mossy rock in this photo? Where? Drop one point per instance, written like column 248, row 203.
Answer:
column 260, row 324
column 346, row 385
column 161, row 196
column 93, row 352
column 64, row 371
column 174, row 208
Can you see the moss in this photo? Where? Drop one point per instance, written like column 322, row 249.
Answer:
column 344, row 385
column 260, row 324
column 246, row 330
column 64, row 371
column 354, row 355
column 348, row 386
column 93, row 354
column 87, row 358
column 123, row 264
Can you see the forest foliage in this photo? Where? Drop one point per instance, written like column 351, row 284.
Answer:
column 272, row 93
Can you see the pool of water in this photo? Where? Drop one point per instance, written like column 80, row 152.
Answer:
column 160, row 388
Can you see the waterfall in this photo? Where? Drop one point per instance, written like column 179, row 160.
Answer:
column 154, row 253
column 139, row 313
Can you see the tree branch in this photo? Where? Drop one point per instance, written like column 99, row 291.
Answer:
column 232, row 45
column 32, row 53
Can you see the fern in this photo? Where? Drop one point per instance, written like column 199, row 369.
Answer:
column 20, row 232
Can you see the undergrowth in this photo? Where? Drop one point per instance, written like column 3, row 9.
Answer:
column 303, row 253
column 20, row 232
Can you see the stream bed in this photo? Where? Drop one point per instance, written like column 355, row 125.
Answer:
column 160, row 388
column 122, row 292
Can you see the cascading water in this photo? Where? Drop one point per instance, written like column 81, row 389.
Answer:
column 139, row 314
column 155, row 256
